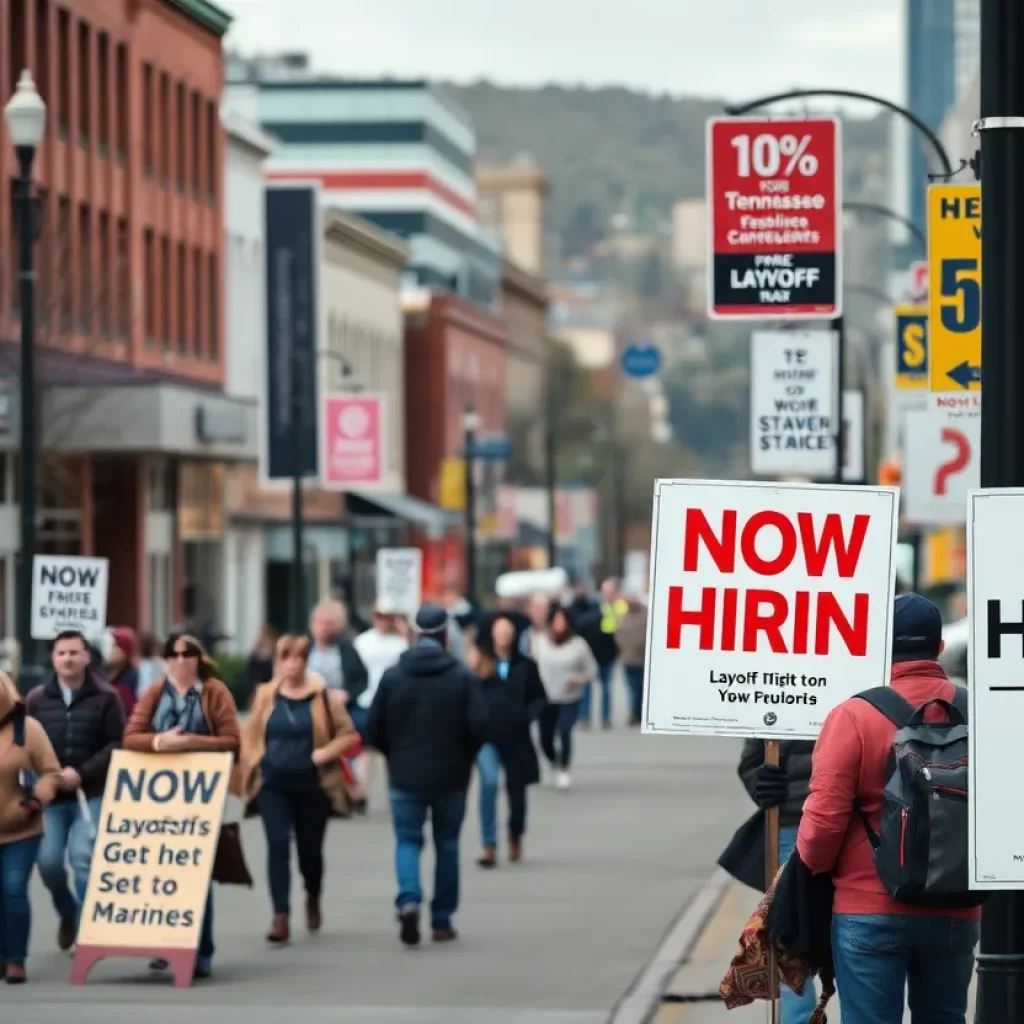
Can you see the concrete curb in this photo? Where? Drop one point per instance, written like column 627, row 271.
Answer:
column 641, row 1001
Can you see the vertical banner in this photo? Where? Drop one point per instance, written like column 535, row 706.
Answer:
column 354, row 446
column 911, row 348
column 854, row 437
column 792, row 403
column 293, row 248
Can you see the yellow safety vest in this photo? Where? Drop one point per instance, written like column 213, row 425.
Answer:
column 611, row 613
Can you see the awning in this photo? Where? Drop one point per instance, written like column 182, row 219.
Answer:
column 402, row 506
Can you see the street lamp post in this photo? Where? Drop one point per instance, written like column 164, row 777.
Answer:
column 470, row 426
column 25, row 114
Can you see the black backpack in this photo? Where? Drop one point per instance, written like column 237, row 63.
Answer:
column 920, row 848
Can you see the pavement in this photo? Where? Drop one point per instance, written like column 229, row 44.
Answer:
column 566, row 937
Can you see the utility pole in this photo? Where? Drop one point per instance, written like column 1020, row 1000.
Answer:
column 839, row 326
column 1001, row 961
column 551, row 485
column 298, row 437
column 470, row 425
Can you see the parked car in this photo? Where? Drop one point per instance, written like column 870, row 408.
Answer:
column 954, row 655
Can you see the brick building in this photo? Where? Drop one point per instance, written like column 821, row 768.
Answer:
column 135, row 426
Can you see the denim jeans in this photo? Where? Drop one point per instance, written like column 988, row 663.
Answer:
column 795, row 1009
column 556, row 723
column 303, row 812
column 488, row 765
column 635, row 681
column 605, row 679
column 67, row 834
column 409, row 811
column 880, row 956
column 205, row 951
column 16, row 862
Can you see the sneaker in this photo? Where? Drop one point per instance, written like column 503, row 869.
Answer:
column 159, row 964
column 15, row 974
column 563, row 780
column 409, row 920
column 446, row 934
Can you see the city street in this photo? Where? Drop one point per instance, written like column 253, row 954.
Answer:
column 558, row 939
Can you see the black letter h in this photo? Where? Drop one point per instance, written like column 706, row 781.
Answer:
column 997, row 629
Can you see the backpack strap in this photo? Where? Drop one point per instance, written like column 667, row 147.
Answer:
column 888, row 702
column 19, row 730
column 959, row 700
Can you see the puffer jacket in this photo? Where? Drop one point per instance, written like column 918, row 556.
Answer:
column 795, row 758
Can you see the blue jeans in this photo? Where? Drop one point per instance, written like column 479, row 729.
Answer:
column 409, row 816
column 635, row 681
column 879, row 956
column 204, row 954
column 605, row 679
column 359, row 717
column 796, row 1009
column 67, row 834
column 556, row 723
column 16, row 862
column 488, row 766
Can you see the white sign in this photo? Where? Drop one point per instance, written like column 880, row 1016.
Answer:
column 635, row 573
column 770, row 604
column 68, row 592
column 942, row 456
column 792, row 403
column 853, row 436
column 995, row 610
column 400, row 578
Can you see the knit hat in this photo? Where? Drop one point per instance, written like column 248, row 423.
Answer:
column 431, row 620
column 916, row 629
column 125, row 638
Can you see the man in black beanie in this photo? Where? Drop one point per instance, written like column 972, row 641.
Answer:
column 428, row 720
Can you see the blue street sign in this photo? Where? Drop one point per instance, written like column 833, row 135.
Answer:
column 492, row 447
column 640, row 360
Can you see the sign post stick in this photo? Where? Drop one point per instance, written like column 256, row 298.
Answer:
column 839, row 326
column 771, row 868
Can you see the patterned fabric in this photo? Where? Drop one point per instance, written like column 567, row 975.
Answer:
column 173, row 711
column 748, row 976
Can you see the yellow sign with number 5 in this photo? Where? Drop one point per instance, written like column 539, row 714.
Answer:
column 954, row 287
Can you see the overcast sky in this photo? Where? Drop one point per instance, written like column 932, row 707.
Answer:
column 732, row 48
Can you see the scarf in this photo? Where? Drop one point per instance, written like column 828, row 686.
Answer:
column 190, row 719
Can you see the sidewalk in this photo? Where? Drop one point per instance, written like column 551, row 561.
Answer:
column 699, row 977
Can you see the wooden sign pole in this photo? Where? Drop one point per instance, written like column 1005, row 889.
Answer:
column 771, row 864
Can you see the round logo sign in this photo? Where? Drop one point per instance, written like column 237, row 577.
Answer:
column 353, row 421
column 771, row 718
column 641, row 360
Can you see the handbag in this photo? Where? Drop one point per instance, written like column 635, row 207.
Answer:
column 229, row 866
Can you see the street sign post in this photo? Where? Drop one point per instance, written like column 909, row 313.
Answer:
column 774, row 197
column 911, row 348
column 641, row 360
column 954, row 290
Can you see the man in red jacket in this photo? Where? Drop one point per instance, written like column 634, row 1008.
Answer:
column 882, row 948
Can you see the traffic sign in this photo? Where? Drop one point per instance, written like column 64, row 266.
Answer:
column 774, row 196
column 954, row 289
column 911, row 348
column 917, row 283
column 641, row 360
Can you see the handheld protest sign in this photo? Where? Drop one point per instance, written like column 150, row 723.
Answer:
column 772, row 756
column 769, row 605
column 153, row 860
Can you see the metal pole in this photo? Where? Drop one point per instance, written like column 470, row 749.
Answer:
column 839, row 326
column 469, row 443
column 1001, row 961
column 298, row 454
column 27, row 290
column 551, row 472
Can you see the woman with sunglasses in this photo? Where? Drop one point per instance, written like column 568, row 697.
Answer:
column 190, row 711
column 290, row 772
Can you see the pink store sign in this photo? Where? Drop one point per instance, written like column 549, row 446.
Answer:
column 353, row 452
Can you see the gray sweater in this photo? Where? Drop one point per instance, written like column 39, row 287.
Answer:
column 564, row 668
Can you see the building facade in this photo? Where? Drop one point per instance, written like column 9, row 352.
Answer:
column 130, row 293
column 513, row 201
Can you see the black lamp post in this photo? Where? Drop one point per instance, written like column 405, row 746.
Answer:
column 470, row 426
column 25, row 114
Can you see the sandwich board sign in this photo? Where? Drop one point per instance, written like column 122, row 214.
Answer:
column 69, row 592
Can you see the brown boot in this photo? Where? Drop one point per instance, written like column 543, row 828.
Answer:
column 15, row 974
column 489, row 858
column 314, row 919
column 279, row 931
column 515, row 850
column 66, row 933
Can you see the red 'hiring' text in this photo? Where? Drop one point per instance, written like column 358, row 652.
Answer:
column 802, row 624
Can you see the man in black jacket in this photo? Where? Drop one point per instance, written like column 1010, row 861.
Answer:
column 428, row 719
column 84, row 720
column 784, row 786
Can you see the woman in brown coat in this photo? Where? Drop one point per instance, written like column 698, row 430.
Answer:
column 292, row 744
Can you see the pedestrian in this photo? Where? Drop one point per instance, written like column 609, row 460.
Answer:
column 190, row 711
column 83, row 718
column 429, row 720
column 566, row 665
column 585, row 615
column 332, row 655
column 120, row 653
column 882, row 948
column 259, row 667
column 151, row 666
column 289, row 769
column 631, row 637
column 24, row 749
column 515, row 698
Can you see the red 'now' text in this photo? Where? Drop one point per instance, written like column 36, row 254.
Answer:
column 733, row 618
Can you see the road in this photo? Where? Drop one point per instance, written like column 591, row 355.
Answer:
column 558, row 939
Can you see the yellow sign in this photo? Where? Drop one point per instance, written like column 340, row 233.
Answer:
column 155, row 846
column 453, row 484
column 954, row 288
column 911, row 348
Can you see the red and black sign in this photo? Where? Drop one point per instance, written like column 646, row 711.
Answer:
column 775, row 209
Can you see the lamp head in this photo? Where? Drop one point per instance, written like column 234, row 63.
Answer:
column 25, row 114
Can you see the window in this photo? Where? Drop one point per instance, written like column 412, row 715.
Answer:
column 123, row 299
column 198, row 341
column 64, row 72
column 179, row 115
column 64, row 265
column 87, row 297
column 149, row 259
column 212, row 128
column 108, row 291
column 121, row 94
column 148, row 121
column 16, row 44
column 165, row 291
column 166, row 126
column 103, row 62
column 197, row 134
column 213, row 281
column 182, row 293
column 84, row 68
column 41, row 72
